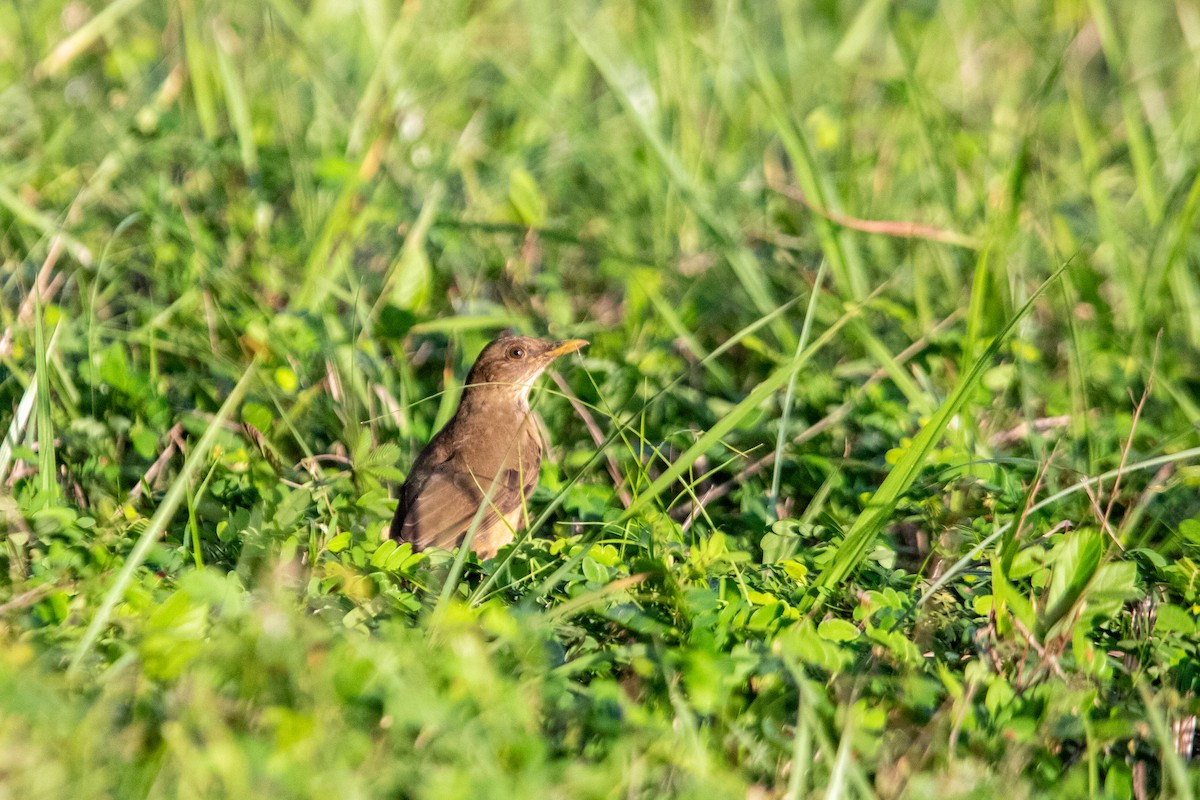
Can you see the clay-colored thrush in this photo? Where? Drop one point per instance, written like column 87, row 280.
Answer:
column 487, row 456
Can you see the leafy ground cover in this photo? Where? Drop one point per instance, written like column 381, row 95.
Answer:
column 877, row 480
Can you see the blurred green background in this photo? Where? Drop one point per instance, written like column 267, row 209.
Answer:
column 787, row 543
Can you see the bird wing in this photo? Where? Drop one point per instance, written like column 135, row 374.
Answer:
column 439, row 501
column 530, row 459
column 438, row 512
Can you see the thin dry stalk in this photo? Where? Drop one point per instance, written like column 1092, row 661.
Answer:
column 1037, row 484
column 1022, row 431
column 46, row 285
column 26, row 599
column 1094, row 499
column 1047, row 659
column 902, row 230
column 1137, row 413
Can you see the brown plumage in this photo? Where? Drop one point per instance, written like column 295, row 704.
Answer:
column 488, row 454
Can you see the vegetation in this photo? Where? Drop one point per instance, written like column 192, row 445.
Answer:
column 878, row 478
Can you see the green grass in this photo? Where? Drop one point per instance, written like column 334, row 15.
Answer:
column 895, row 324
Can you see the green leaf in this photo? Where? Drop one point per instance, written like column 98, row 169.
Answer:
column 527, row 200
column 1074, row 566
column 596, row 573
column 1173, row 618
column 286, row 380
column 838, row 630
column 380, row 557
column 401, row 557
column 1113, row 585
column 1009, row 600
column 144, row 440
column 1189, row 529
column 764, row 616
column 794, row 569
column 114, row 368
column 387, row 453
column 257, row 415
column 413, row 276
column 999, row 698
column 291, row 507
column 898, row 645
column 802, row 643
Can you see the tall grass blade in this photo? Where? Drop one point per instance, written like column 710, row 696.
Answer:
column 47, row 468
column 785, row 414
column 837, row 246
column 235, row 100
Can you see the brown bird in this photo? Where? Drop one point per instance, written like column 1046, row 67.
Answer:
column 487, row 455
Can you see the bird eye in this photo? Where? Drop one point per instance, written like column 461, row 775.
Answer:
column 516, row 353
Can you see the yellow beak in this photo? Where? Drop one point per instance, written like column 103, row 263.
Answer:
column 569, row 346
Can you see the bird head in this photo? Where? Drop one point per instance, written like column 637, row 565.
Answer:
column 511, row 364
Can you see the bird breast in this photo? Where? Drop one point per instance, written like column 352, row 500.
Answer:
column 498, row 447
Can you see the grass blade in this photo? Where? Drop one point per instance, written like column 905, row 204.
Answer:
column 781, row 440
column 235, row 99
column 45, row 422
